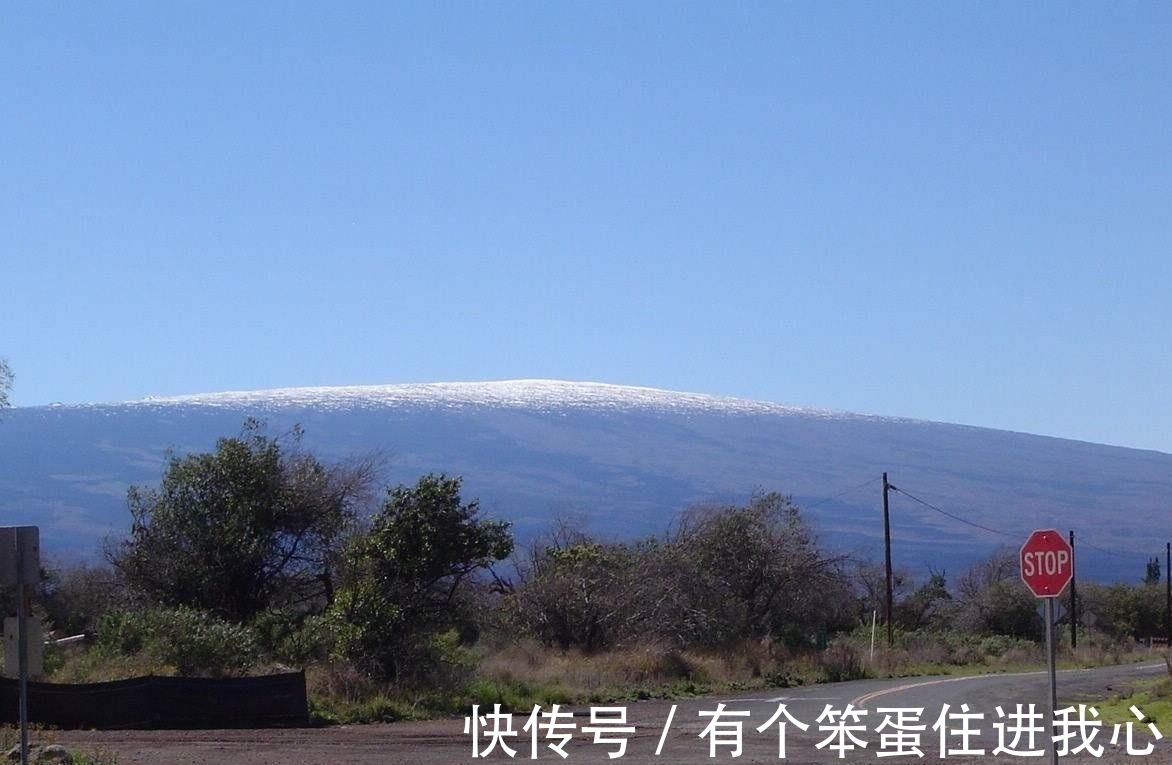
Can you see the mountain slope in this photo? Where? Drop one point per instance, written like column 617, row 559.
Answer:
column 624, row 458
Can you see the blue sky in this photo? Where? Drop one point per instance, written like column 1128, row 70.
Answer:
column 948, row 211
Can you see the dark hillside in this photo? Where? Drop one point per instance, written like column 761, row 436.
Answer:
column 626, row 459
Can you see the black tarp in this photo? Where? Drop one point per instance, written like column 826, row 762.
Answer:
column 164, row 702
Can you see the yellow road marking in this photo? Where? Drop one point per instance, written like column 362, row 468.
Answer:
column 867, row 698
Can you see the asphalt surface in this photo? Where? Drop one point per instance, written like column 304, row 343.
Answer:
column 688, row 731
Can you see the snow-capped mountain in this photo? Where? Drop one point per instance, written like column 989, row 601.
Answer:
column 625, row 460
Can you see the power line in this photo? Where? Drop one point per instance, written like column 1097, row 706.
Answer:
column 957, row 518
column 865, row 483
column 1082, row 541
column 1116, row 553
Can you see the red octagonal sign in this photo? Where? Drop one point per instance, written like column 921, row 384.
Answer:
column 1047, row 563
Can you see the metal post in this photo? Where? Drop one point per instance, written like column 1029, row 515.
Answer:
column 22, row 647
column 1053, row 676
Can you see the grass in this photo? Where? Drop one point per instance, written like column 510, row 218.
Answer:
column 524, row 674
column 96, row 666
column 521, row 674
column 934, row 653
column 1153, row 698
column 659, row 671
column 77, row 758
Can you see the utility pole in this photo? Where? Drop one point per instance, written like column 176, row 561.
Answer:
column 1168, row 593
column 1073, row 598
column 887, row 562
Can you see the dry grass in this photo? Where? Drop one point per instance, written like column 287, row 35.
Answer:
column 648, row 670
column 338, row 681
column 949, row 653
column 522, row 673
column 95, row 666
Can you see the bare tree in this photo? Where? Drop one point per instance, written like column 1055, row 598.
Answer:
column 570, row 589
column 991, row 599
column 757, row 570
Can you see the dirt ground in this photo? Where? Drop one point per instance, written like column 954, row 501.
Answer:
column 434, row 743
column 444, row 741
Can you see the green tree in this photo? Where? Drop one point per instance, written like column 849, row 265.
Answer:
column 928, row 606
column 247, row 527
column 5, row 383
column 406, row 573
column 1124, row 610
column 1152, row 573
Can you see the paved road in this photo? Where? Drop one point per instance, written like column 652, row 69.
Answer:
column 445, row 741
column 931, row 698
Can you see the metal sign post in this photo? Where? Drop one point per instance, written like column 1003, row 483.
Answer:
column 1047, row 566
column 1050, row 654
column 20, row 563
column 22, row 647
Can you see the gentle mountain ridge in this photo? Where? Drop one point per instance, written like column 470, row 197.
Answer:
column 625, row 459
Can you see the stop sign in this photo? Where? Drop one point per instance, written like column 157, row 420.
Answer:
column 1047, row 563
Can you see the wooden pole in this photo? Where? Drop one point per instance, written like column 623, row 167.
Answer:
column 887, row 564
column 1168, row 593
column 1073, row 599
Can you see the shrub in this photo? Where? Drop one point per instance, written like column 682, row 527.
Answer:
column 995, row 646
column 841, row 661
column 293, row 639
column 193, row 642
column 123, row 632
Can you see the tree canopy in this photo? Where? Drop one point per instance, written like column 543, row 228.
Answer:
column 247, row 527
column 404, row 575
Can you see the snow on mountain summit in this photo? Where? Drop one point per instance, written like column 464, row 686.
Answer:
column 538, row 395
